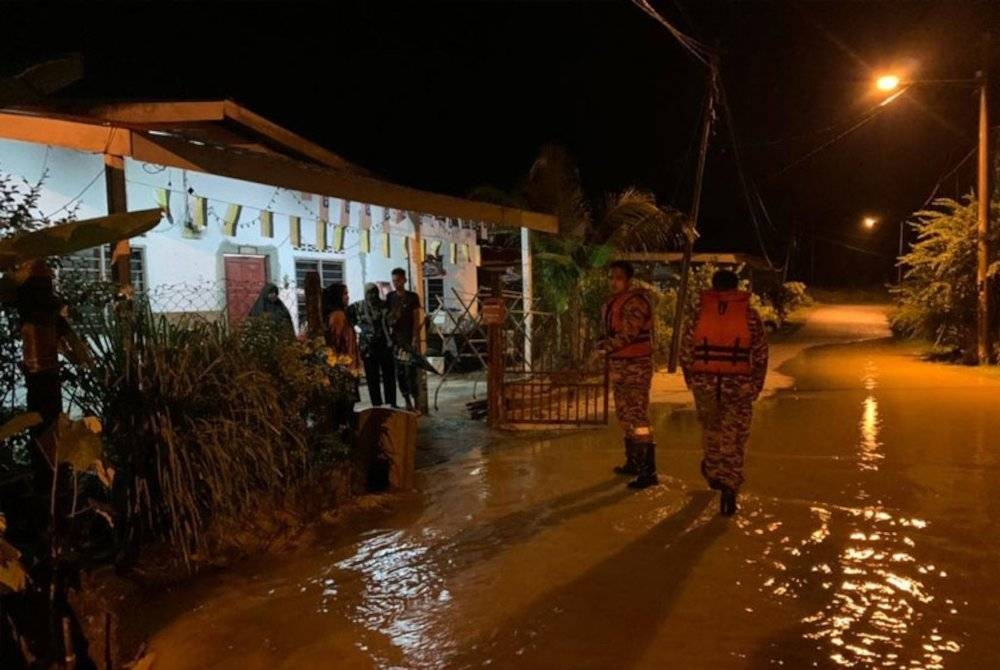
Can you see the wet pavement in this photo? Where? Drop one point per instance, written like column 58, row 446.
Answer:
column 867, row 538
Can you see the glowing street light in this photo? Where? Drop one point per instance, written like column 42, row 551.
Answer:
column 887, row 82
column 869, row 222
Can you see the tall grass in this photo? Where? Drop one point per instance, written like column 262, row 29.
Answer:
column 201, row 424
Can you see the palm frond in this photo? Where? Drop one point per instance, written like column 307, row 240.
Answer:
column 633, row 221
column 553, row 186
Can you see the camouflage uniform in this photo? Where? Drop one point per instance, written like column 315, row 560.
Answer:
column 725, row 407
column 632, row 377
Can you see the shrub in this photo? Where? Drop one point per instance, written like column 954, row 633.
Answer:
column 201, row 424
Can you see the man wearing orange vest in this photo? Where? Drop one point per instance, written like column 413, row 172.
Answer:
column 628, row 344
column 724, row 356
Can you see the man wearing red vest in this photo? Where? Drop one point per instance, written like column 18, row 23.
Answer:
column 628, row 344
column 724, row 356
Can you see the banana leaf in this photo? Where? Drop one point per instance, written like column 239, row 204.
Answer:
column 76, row 236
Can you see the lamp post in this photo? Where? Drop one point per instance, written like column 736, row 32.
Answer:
column 891, row 82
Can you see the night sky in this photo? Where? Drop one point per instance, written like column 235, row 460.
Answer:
column 450, row 96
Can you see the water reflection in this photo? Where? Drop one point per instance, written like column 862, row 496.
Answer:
column 870, row 448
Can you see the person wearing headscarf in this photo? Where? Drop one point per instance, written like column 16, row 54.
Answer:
column 342, row 339
column 370, row 316
column 269, row 306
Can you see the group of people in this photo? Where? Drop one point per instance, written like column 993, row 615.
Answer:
column 378, row 335
column 724, row 358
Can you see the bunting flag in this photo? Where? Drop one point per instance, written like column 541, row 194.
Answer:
column 477, row 255
column 365, row 241
column 452, row 253
column 295, row 230
column 338, row 238
column 366, row 217
column 406, row 248
column 321, row 235
column 345, row 213
column 200, row 212
column 432, row 248
column 266, row 224
column 465, row 253
column 163, row 200
column 231, row 219
column 386, row 245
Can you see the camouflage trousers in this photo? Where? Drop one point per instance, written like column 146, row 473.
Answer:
column 630, row 382
column 725, row 410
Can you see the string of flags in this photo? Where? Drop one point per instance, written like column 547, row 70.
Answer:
column 375, row 232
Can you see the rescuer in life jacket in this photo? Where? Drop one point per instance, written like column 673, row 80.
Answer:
column 724, row 357
column 628, row 343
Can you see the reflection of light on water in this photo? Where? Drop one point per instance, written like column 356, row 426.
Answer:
column 882, row 610
column 870, row 448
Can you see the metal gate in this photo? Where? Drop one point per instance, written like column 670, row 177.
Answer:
column 552, row 374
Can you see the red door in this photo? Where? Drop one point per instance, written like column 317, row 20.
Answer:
column 245, row 277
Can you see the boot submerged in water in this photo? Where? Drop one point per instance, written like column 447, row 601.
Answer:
column 727, row 502
column 631, row 466
column 646, row 461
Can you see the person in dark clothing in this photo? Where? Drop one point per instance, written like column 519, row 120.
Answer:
column 404, row 325
column 269, row 305
column 370, row 316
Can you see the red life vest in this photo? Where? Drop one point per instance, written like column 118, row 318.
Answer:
column 722, row 334
column 642, row 345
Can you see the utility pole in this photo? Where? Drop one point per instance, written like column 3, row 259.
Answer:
column 983, row 219
column 682, row 291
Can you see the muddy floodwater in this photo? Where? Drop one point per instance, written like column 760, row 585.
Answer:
column 868, row 537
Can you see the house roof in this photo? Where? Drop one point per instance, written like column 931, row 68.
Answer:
column 223, row 138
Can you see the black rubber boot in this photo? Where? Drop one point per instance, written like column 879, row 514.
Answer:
column 631, row 466
column 727, row 502
column 646, row 456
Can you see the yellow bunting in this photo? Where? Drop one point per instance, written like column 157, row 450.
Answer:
column 295, row 230
column 452, row 253
column 231, row 220
column 267, row 224
column 200, row 212
column 386, row 245
column 338, row 238
column 366, row 240
column 477, row 254
column 163, row 200
column 465, row 253
column 321, row 235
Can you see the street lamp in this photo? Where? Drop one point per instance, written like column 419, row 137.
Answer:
column 891, row 82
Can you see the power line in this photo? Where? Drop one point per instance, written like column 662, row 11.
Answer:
column 694, row 47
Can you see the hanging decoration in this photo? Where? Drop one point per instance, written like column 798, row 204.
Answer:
column 231, row 219
column 452, row 253
column 163, row 200
column 295, row 230
column 386, row 245
column 321, row 235
column 338, row 238
column 345, row 213
column 266, row 223
column 200, row 213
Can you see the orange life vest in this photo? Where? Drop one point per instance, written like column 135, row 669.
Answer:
column 722, row 334
column 642, row 345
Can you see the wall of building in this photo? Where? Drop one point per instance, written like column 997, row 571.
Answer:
column 187, row 265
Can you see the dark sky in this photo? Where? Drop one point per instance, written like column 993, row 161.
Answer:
column 450, row 96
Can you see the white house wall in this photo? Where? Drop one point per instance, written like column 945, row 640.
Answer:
column 177, row 263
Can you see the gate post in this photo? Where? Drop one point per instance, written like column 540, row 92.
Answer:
column 494, row 316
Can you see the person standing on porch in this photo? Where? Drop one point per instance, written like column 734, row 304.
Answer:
column 724, row 358
column 628, row 344
column 370, row 316
column 346, row 364
column 404, row 325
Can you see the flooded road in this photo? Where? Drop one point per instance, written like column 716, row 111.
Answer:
column 867, row 538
